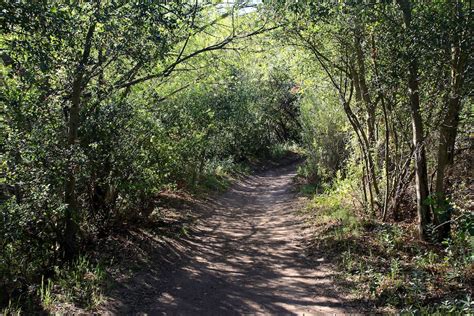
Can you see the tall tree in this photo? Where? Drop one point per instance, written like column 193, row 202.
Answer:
column 421, row 172
column 458, row 38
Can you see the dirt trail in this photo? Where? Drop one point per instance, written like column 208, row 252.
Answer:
column 246, row 257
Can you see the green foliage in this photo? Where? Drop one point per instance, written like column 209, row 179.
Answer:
column 308, row 189
column 159, row 107
column 45, row 294
column 81, row 283
column 383, row 262
column 12, row 309
column 387, row 267
column 105, row 104
column 447, row 307
column 324, row 133
column 332, row 211
column 282, row 150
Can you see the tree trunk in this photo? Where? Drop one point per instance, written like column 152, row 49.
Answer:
column 71, row 230
column 421, row 173
column 448, row 130
column 371, row 180
column 366, row 143
column 364, row 90
column 387, row 161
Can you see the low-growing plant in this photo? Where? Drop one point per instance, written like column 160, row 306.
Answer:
column 45, row 293
column 394, row 268
column 12, row 309
column 81, row 283
column 383, row 267
column 447, row 307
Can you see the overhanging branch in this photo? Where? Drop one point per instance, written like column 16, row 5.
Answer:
column 169, row 69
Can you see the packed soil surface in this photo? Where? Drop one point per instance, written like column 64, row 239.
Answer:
column 245, row 256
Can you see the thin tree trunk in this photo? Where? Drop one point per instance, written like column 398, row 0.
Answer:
column 364, row 145
column 387, row 162
column 387, row 135
column 72, row 215
column 364, row 90
column 353, row 120
column 365, row 141
column 421, row 174
column 448, row 129
column 364, row 187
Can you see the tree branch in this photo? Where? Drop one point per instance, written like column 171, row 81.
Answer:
column 169, row 69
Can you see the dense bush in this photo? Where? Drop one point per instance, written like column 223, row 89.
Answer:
column 100, row 115
column 325, row 134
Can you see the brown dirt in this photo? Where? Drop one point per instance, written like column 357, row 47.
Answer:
column 245, row 255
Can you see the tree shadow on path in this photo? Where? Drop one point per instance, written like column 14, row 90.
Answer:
column 244, row 256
